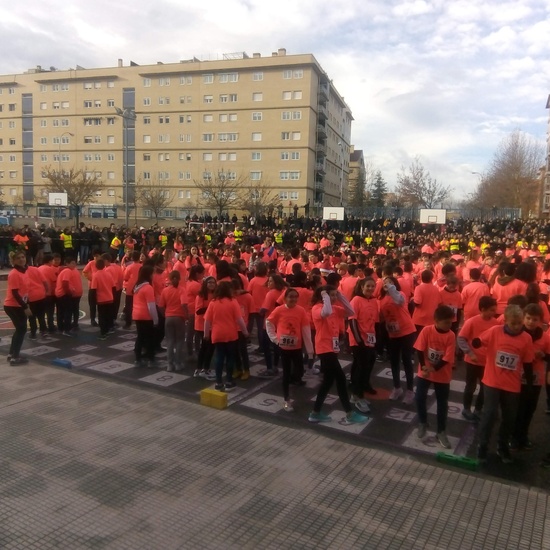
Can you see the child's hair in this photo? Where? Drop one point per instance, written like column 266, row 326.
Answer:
column 316, row 298
column 290, row 291
column 223, row 290
column 534, row 310
column 517, row 300
column 278, row 281
column 452, row 279
column 427, row 276
column 475, row 274
column 358, row 288
column 100, row 264
column 203, row 292
column 486, row 302
column 333, row 279
column 175, row 277
column 512, row 311
column 196, row 272
column 443, row 313
column 448, row 269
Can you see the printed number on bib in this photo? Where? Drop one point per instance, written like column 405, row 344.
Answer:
column 287, row 341
column 370, row 339
column 435, row 355
column 392, row 326
column 335, row 344
column 508, row 361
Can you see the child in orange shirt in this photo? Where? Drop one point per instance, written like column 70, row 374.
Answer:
column 435, row 347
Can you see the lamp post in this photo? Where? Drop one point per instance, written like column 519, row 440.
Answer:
column 126, row 115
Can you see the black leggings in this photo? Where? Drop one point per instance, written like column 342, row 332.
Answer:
column 474, row 374
column 290, row 358
column 361, row 368
column 19, row 320
column 38, row 310
column 332, row 371
column 401, row 348
column 146, row 339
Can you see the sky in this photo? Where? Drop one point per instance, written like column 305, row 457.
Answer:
column 442, row 80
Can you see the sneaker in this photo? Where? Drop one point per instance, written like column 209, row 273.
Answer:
column 266, row 373
column 237, row 373
column 354, row 418
column 379, row 359
column 469, row 415
column 197, row 373
column 315, row 370
column 443, row 440
column 395, row 394
column 319, row 417
column 67, row 333
column 287, row 407
column 514, row 445
column 207, row 374
column 409, row 398
column 219, row 387
column 482, row 454
column 93, row 322
column 170, row 368
column 505, row 456
column 245, row 375
column 422, row 431
column 230, row 386
column 16, row 361
column 362, row 405
column 477, row 415
column 103, row 337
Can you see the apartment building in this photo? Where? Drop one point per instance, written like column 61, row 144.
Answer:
column 544, row 176
column 275, row 121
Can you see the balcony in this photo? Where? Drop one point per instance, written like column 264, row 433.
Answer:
column 322, row 111
column 320, row 167
column 319, row 185
column 321, row 131
column 321, row 148
column 323, row 93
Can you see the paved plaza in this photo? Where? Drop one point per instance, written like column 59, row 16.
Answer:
column 94, row 463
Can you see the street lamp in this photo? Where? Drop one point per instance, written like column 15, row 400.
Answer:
column 127, row 115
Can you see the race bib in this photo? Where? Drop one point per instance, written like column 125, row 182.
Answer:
column 286, row 341
column 509, row 361
column 434, row 355
column 370, row 339
column 335, row 344
column 392, row 326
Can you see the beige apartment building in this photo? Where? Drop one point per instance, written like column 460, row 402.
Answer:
column 275, row 121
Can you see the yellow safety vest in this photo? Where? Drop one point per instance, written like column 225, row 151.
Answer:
column 279, row 238
column 163, row 240
column 115, row 243
column 67, row 240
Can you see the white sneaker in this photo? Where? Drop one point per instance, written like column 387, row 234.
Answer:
column 409, row 398
column 362, row 405
column 287, row 407
column 422, row 430
column 395, row 394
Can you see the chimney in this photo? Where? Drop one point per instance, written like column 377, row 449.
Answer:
column 120, row 62
column 256, row 55
column 281, row 51
column 274, row 54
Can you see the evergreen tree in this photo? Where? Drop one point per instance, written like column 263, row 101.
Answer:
column 379, row 190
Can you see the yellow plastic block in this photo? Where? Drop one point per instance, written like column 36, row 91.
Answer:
column 214, row 398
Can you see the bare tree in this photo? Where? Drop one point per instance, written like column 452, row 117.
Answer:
column 153, row 195
column 512, row 178
column 220, row 191
column 415, row 187
column 80, row 185
column 258, row 198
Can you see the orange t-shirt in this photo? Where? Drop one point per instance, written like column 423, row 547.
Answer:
column 180, row 267
column 245, row 303
column 36, row 280
column 192, row 289
column 502, row 293
column 539, row 364
column 171, row 299
column 397, row 317
column 258, row 290
column 143, row 295
column 130, row 278
column 436, row 346
column 470, row 298
column 50, row 273
column 452, row 300
column 270, row 301
column 505, row 358
column 366, row 313
column 327, row 329
column 347, row 285
column 426, row 297
column 102, row 281
column 72, row 276
column 223, row 316
column 89, row 270
column 200, row 303
column 288, row 323
column 16, row 281
column 472, row 328
column 116, row 273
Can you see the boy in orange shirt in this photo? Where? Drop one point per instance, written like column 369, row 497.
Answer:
column 436, row 354
column 509, row 354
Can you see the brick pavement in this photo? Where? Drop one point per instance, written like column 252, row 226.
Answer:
column 89, row 463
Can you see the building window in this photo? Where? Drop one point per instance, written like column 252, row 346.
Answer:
column 228, row 136
column 208, row 118
column 110, row 103
column 298, row 73
column 11, row 107
column 207, row 157
column 297, row 94
column 146, row 157
column 285, row 115
column 256, row 155
column 97, row 103
column 43, row 158
column 257, row 76
column 146, row 139
column 146, row 82
column 110, row 84
column 295, row 175
column 207, row 78
column 11, row 124
column 232, row 98
column 284, row 155
column 164, row 81
column 228, row 77
column 285, row 136
column 164, row 119
column 257, row 116
column 56, row 105
column 283, row 195
column 12, row 141
column 110, row 139
column 295, row 155
column 256, row 136
column 257, row 96
column 284, row 175
column 287, row 95
column 146, row 176
column 186, row 80
column 293, row 195
column 208, row 137
column 43, row 106
column 111, row 156
column 110, row 175
column 255, row 176
column 146, row 101
column 208, row 99
column 296, row 136
column 164, row 100
column 296, row 115
column 111, row 192
column 164, row 138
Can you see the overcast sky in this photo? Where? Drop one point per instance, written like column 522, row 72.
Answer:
column 445, row 80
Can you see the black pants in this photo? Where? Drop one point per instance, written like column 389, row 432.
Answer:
column 527, row 405
column 442, row 397
column 50, row 312
column 105, row 317
column 474, row 374
column 159, row 330
column 92, row 303
column 67, row 312
column 19, row 320
column 192, row 337
column 38, row 317
column 128, row 305
column 206, row 351
column 146, row 340
column 241, row 361
column 117, row 296
column 508, row 403
column 381, row 337
column 292, row 362
column 332, row 371
column 361, row 369
column 401, row 348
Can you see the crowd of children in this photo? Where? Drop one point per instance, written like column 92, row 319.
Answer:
column 430, row 309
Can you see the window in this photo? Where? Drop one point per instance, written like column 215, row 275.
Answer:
column 285, row 115
column 12, row 141
column 207, row 78
column 208, row 99
column 111, row 192
column 146, row 175
column 256, row 136
column 11, row 107
column 295, row 175
column 293, row 195
column 257, row 96
column 296, row 115
column 146, row 120
column 146, row 139
column 224, row 117
column 97, row 85
column 295, row 155
column 110, row 84
column 13, row 158
column 164, row 81
column 283, row 195
column 64, row 104
column 64, row 122
column 298, row 73
column 44, row 158
column 164, row 138
column 208, row 118
column 97, row 157
column 146, row 157
column 185, row 137
column 87, row 85
column 43, row 141
column 56, row 105
column 87, row 157
column 64, row 87
column 229, row 136
column 43, row 106
column 110, row 103
column 285, row 136
column 43, row 88
column 110, row 120
column 256, row 155
column 188, row 193
column 110, row 175
column 207, row 156
column 186, row 80
column 97, row 193
column 11, row 124
column 287, row 74
column 146, row 101
column 97, row 139
column 97, row 103
column 297, row 94
column 207, row 175
column 287, row 95
column 296, row 136
column 232, row 98
column 257, row 116
column 164, row 119
column 228, row 77
column 284, row 155
column 111, row 156
column 255, row 176
column 233, row 117
column 110, row 139
column 257, row 76
column 146, row 82
column 13, row 175
column 224, row 98
column 164, row 100
column 208, row 137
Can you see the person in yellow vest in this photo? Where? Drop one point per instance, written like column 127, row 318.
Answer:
column 444, row 244
column 368, row 239
column 543, row 248
column 238, row 235
column 163, row 238
column 390, row 240
column 279, row 237
column 208, row 238
column 116, row 245
column 454, row 244
column 67, row 238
